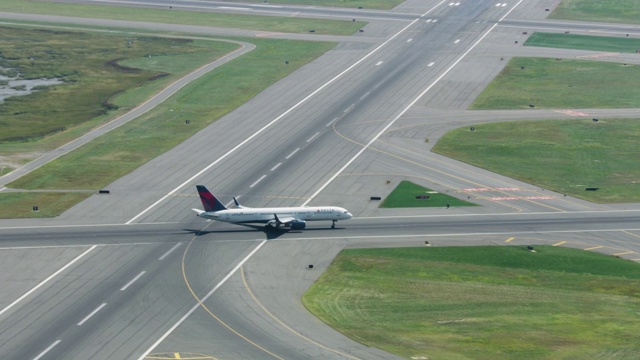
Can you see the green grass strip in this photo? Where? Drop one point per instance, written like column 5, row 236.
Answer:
column 618, row 11
column 408, row 194
column 584, row 42
column 93, row 69
column 172, row 16
column 117, row 153
column 556, row 84
column 566, row 156
column 483, row 302
column 17, row 205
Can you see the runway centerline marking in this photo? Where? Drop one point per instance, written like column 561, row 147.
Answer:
column 47, row 350
column 264, row 128
column 170, row 251
column 379, row 63
column 331, row 122
column 275, row 167
column 47, row 280
column 292, row 153
column 200, row 302
column 313, row 137
column 132, row 281
column 92, row 313
column 413, row 102
column 257, row 181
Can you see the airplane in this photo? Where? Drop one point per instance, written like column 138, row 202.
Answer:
column 294, row 218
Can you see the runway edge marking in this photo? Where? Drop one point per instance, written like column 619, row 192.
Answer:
column 272, row 122
column 200, row 301
column 413, row 102
column 47, row 280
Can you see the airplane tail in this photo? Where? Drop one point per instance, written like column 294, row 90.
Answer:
column 209, row 201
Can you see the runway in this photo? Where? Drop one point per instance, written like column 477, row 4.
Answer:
column 170, row 283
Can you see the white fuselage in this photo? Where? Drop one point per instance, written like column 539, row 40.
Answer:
column 266, row 215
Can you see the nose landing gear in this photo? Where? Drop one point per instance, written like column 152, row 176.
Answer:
column 333, row 225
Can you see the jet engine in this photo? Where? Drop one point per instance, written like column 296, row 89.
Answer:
column 297, row 224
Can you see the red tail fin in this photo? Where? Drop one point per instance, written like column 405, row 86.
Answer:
column 209, row 201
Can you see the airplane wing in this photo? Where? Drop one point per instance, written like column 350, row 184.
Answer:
column 285, row 220
column 289, row 221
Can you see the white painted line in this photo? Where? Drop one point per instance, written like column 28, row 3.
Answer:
column 47, row 349
column 457, row 41
column 365, row 95
column 92, row 313
column 257, row 181
column 233, row 8
column 313, row 137
column 435, row 20
column 275, row 167
column 349, row 108
column 245, row 141
column 3, row 189
column 331, row 122
column 379, row 63
column 196, row 306
column 431, row 64
column 415, row 100
column 46, row 280
column 410, row 40
column 292, row 153
column 132, row 281
column 429, row 20
column 170, row 251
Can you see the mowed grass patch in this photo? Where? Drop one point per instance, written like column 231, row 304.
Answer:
column 90, row 66
column 17, row 205
column 115, row 154
column 174, row 16
column 406, row 195
column 552, row 84
column 584, row 42
column 565, row 156
column 618, row 11
column 365, row 4
column 483, row 302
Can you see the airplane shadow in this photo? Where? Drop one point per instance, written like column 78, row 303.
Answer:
column 270, row 233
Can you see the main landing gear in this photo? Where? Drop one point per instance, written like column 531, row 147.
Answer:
column 333, row 225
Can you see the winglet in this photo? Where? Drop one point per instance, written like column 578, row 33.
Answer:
column 209, row 201
column 238, row 205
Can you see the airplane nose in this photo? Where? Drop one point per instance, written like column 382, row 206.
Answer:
column 349, row 216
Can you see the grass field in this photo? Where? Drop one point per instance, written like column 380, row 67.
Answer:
column 562, row 155
column 483, row 302
column 172, row 16
column 584, row 42
column 90, row 66
column 618, row 11
column 20, row 205
column 549, row 83
column 205, row 100
column 404, row 195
